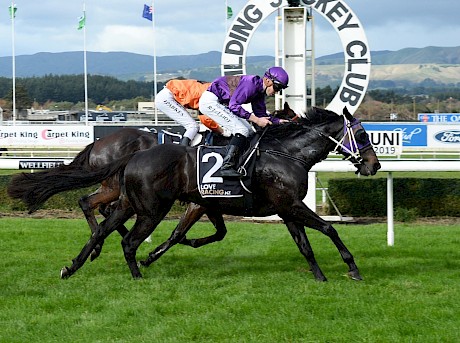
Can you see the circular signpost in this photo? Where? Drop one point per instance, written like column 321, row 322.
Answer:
column 354, row 42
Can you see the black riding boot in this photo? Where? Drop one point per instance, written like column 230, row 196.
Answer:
column 234, row 149
column 185, row 141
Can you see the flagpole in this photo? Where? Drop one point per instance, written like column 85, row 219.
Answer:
column 226, row 17
column 155, row 90
column 12, row 13
column 84, row 65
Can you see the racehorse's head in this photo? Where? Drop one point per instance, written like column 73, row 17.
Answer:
column 286, row 113
column 356, row 146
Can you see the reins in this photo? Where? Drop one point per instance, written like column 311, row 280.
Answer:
column 272, row 152
column 255, row 148
column 285, row 155
column 353, row 153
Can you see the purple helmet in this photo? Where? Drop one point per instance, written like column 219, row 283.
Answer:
column 279, row 76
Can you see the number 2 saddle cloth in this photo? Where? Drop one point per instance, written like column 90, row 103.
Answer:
column 210, row 184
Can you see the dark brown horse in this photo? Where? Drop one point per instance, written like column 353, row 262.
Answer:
column 95, row 155
column 154, row 179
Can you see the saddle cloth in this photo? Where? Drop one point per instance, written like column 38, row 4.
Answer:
column 166, row 137
column 209, row 161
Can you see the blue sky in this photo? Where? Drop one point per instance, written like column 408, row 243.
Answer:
column 186, row 27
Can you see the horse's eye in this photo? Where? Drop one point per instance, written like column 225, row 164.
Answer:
column 361, row 136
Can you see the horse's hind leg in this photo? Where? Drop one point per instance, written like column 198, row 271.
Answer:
column 102, row 196
column 297, row 232
column 118, row 217
column 143, row 227
column 193, row 213
column 178, row 233
column 87, row 206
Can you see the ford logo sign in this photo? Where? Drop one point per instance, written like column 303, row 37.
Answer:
column 451, row 136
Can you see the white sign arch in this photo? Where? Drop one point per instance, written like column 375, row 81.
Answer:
column 354, row 42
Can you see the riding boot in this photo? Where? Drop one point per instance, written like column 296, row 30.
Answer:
column 185, row 141
column 234, row 149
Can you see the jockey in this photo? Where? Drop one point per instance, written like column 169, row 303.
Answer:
column 223, row 102
column 175, row 97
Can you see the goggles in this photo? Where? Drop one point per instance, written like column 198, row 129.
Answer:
column 277, row 86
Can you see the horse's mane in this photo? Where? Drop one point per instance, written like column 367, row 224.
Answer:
column 312, row 117
column 317, row 115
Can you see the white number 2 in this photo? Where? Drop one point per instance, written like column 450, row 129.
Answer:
column 208, row 178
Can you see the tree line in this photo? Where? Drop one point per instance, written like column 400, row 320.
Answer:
column 68, row 90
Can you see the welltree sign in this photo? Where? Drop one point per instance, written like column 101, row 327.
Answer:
column 338, row 14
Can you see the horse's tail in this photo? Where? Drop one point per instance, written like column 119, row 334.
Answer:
column 82, row 159
column 35, row 188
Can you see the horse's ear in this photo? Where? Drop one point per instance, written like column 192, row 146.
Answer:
column 347, row 113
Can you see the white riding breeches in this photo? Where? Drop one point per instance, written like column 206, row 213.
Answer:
column 209, row 105
column 165, row 102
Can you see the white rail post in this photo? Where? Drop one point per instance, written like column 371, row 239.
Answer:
column 390, row 229
column 310, row 198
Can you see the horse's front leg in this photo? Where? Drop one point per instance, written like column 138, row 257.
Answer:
column 307, row 217
column 299, row 235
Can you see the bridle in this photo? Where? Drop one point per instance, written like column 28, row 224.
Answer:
column 348, row 145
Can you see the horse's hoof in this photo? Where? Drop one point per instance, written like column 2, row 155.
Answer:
column 136, row 275
column 65, row 273
column 143, row 263
column 321, row 279
column 354, row 275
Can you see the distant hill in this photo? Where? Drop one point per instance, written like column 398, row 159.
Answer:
column 122, row 65
column 428, row 55
column 435, row 64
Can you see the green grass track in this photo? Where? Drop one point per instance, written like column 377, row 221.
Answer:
column 253, row 286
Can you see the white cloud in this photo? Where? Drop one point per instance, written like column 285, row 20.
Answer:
column 135, row 39
column 184, row 27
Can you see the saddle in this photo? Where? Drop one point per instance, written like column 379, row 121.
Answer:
column 205, row 137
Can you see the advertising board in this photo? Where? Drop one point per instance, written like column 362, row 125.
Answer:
column 444, row 136
column 386, row 142
column 413, row 134
column 442, row 118
column 46, row 135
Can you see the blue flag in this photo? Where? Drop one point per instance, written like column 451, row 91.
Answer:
column 147, row 13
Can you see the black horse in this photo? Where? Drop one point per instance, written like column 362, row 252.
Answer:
column 34, row 189
column 153, row 179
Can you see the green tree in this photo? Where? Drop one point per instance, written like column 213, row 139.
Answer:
column 23, row 100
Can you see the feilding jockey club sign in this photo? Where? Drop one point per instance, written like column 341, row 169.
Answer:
column 338, row 14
